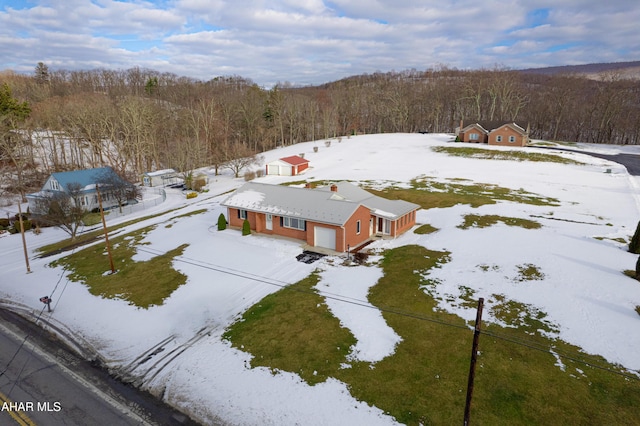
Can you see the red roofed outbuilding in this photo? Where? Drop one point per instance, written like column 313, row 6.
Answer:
column 287, row 166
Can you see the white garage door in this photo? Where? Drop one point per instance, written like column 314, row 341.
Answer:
column 325, row 237
column 285, row 170
column 273, row 169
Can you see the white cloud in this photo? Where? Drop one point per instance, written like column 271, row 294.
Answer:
column 314, row 41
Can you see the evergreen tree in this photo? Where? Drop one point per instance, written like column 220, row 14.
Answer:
column 12, row 111
column 634, row 245
column 246, row 227
column 151, row 85
column 222, row 222
column 638, row 268
column 12, row 114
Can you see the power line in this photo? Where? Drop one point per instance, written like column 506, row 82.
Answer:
column 560, row 354
column 40, row 332
column 385, row 309
column 327, row 295
column 20, row 346
column 344, row 299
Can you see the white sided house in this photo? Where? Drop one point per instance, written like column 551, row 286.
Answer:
column 79, row 187
column 161, row 178
column 339, row 217
column 287, row 166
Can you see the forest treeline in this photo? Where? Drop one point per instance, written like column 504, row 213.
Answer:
column 138, row 120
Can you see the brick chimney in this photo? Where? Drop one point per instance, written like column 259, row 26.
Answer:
column 307, row 185
column 334, row 188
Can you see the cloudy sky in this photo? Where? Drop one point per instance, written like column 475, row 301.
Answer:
column 313, row 41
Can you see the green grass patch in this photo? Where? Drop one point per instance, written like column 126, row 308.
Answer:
column 617, row 240
column 430, row 193
column 495, row 154
column 519, row 315
column 484, row 221
column 189, row 214
column 529, row 272
column 91, row 219
column 486, row 268
column 424, row 380
column 293, row 330
column 143, row 284
column 425, row 229
column 89, row 237
column 519, row 385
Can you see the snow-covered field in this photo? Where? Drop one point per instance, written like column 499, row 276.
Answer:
column 583, row 291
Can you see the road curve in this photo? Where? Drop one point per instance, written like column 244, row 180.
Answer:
column 43, row 383
column 630, row 161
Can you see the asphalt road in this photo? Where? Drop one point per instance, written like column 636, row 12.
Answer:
column 43, row 383
column 630, row 161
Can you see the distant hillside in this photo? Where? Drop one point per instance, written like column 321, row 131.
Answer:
column 628, row 70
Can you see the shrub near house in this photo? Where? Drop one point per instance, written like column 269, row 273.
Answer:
column 222, row 222
column 339, row 217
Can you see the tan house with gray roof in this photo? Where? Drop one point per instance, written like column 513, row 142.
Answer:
column 338, row 217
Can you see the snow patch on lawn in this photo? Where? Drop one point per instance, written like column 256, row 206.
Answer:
column 345, row 289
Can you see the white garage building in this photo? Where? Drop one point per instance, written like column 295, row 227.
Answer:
column 287, row 166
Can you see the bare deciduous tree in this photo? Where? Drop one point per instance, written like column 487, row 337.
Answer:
column 117, row 187
column 241, row 157
column 62, row 209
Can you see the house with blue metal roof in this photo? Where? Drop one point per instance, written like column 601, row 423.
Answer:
column 80, row 186
column 337, row 217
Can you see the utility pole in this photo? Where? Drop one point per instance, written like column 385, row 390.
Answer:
column 106, row 234
column 24, row 241
column 474, row 356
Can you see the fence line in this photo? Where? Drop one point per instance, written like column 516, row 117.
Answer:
column 157, row 197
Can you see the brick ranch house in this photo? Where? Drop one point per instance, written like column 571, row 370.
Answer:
column 339, row 217
column 492, row 133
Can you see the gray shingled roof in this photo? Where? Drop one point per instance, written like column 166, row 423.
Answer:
column 490, row 126
column 318, row 205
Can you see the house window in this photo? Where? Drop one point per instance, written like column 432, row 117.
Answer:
column 55, row 186
column 294, row 223
column 498, row 138
column 512, row 139
column 358, row 227
column 242, row 214
column 474, row 136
